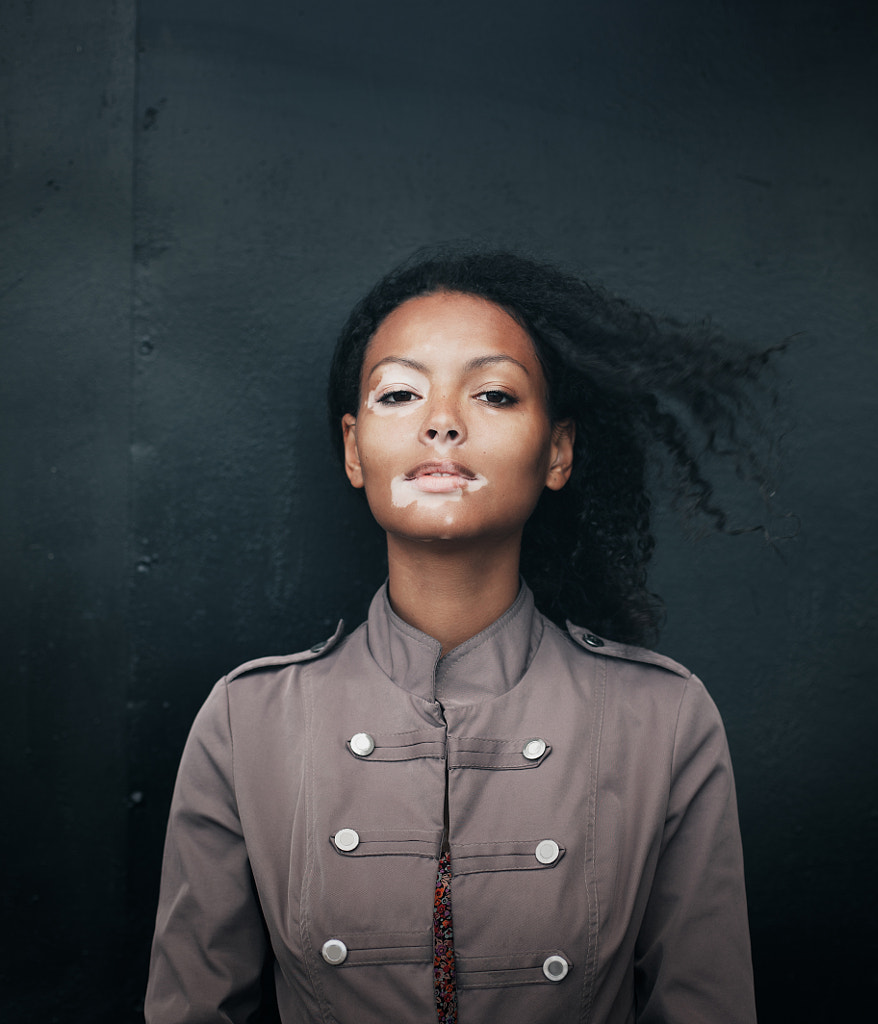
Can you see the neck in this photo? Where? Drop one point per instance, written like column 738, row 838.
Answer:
column 452, row 592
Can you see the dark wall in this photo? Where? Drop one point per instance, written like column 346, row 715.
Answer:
column 66, row 150
column 193, row 195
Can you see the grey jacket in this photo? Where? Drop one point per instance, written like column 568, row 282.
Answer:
column 592, row 827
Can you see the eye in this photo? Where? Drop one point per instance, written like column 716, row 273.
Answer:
column 397, row 397
column 496, row 397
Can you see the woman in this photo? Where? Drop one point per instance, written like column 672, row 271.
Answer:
column 463, row 808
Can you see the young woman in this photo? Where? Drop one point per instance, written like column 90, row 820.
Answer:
column 465, row 809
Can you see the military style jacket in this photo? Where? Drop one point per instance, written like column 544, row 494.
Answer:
column 595, row 850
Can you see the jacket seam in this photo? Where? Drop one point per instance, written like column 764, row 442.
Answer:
column 673, row 766
column 308, row 954
column 590, row 864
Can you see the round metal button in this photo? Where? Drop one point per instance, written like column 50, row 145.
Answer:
column 555, row 968
column 346, row 839
column 592, row 640
column 534, row 749
column 547, row 852
column 362, row 744
column 334, row 952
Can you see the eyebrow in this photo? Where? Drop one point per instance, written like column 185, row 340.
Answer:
column 477, row 363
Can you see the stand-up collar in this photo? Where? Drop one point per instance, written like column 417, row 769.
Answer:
column 486, row 666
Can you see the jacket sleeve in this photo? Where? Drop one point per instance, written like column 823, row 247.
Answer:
column 692, row 959
column 210, row 946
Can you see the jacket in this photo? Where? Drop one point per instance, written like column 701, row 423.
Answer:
column 592, row 825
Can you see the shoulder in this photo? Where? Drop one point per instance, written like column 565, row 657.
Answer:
column 669, row 699
column 247, row 706
column 281, row 661
column 600, row 647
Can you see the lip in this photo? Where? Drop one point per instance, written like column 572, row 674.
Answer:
column 439, row 476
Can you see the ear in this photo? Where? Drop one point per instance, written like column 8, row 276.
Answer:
column 351, row 456
column 561, row 466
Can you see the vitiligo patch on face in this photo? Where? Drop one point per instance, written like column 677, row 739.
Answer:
column 405, row 492
column 388, row 409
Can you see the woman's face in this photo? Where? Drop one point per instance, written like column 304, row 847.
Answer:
column 452, row 439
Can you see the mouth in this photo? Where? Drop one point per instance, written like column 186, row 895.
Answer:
column 439, row 477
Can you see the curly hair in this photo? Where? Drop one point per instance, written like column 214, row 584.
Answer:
column 643, row 391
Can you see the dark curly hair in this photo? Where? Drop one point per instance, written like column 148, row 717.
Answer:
column 644, row 392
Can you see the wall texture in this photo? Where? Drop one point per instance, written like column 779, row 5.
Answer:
column 194, row 193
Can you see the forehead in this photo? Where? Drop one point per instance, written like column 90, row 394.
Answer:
column 442, row 329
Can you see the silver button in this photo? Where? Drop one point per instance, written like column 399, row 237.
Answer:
column 555, row 968
column 346, row 839
column 592, row 640
column 547, row 852
column 335, row 952
column 534, row 749
column 362, row 744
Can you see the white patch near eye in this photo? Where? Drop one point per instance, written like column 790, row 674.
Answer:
column 404, row 492
column 373, row 404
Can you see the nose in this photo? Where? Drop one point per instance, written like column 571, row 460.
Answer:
column 442, row 424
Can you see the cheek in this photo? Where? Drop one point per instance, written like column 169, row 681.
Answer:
column 524, row 455
column 384, row 432
column 375, row 437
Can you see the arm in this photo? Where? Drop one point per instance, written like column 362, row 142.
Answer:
column 692, row 959
column 209, row 948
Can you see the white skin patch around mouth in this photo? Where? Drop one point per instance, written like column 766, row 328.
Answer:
column 403, row 492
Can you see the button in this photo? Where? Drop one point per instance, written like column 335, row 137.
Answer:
column 547, row 852
column 318, row 647
column 346, row 839
column 335, row 952
column 555, row 968
column 362, row 744
column 534, row 749
column 592, row 640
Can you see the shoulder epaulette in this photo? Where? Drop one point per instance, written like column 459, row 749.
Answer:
column 279, row 660
column 610, row 649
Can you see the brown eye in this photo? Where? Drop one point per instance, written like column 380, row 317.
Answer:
column 496, row 397
column 397, row 397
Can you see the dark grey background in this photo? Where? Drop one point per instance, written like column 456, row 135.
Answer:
column 193, row 194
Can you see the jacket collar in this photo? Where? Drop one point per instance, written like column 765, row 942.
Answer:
column 486, row 666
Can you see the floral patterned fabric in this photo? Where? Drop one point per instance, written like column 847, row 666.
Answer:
column 443, row 946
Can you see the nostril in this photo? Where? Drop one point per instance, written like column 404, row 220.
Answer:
column 443, row 434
